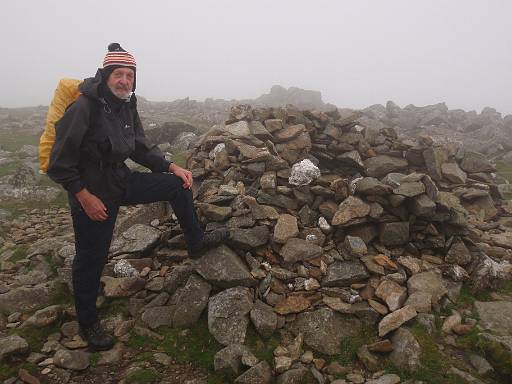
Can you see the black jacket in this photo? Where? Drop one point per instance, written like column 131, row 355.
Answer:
column 94, row 137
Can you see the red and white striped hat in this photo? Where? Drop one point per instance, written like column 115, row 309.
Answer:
column 117, row 56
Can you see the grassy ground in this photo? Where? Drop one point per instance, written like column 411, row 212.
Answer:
column 504, row 170
column 197, row 346
column 14, row 140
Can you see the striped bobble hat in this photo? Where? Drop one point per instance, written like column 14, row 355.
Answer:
column 118, row 57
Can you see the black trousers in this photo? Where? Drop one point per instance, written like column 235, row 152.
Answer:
column 93, row 238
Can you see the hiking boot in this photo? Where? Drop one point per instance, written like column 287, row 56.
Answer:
column 210, row 240
column 96, row 337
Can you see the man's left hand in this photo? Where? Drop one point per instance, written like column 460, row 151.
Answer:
column 183, row 174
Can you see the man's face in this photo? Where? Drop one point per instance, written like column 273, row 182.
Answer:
column 120, row 82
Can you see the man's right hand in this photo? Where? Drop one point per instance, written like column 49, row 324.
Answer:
column 93, row 206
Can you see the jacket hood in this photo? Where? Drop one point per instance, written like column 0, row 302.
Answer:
column 91, row 86
column 95, row 87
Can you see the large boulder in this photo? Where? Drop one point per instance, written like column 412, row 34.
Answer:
column 158, row 316
column 44, row 317
column 249, row 238
column 74, row 360
column 264, row 319
column 191, row 302
column 406, row 350
column 380, row 166
column 223, row 268
column 428, row 282
column 25, row 299
column 298, row 250
column 474, row 162
column 324, row 329
column 228, row 315
column 138, row 240
column 495, row 316
column 12, row 345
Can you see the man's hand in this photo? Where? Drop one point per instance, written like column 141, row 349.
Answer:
column 183, row 174
column 93, row 206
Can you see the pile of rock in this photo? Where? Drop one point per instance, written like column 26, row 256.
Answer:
column 334, row 228
column 382, row 229
column 487, row 132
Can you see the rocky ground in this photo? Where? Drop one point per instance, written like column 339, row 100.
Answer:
column 355, row 256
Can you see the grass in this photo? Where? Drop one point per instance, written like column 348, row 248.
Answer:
column 17, row 207
column 433, row 363
column 36, row 337
column 9, row 168
column 350, row 345
column 263, row 349
column 144, row 356
column 61, row 295
column 94, row 358
column 197, row 346
column 504, row 170
column 116, row 306
column 180, row 158
column 20, row 253
column 10, row 368
column 13, row 140
column 506, row 287
column 141, row 376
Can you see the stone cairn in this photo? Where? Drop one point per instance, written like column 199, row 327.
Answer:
column 335, row 227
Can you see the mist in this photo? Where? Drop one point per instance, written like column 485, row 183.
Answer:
column 356, row 53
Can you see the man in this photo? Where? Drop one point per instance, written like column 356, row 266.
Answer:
column 98, row 132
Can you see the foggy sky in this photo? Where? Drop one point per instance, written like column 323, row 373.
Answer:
column 357, row 53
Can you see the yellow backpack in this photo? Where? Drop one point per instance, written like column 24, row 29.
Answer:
column 65, row 94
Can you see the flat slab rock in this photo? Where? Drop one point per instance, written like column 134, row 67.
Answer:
column 495, row 316
column 25, row 299
column 395, row 319
column 122, row 286
column 139, row 238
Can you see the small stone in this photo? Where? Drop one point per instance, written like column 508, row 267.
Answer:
column 311, row 284
column 285, row 228
column 481, row 365
column 336, row 369
column 355, row 246
column 162, row 359
column 27, row 377
column 74, row 360
column 292, row 304
column 451, row 321
column 282, row 363
column 392, row 293
column 307, row 357
column 355, row 378
column 384, row 346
